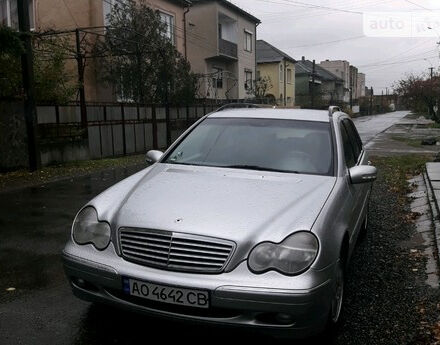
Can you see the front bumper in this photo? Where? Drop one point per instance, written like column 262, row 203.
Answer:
column 237, row 298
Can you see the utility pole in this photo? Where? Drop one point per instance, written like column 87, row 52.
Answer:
column 431, row 71
column 312, row 93
column 82, row 95
column 27, row 71
column 371, row 100
column 381, row 102
column 285, row 82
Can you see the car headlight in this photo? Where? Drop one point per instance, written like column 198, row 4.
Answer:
column 88, row 229
column 292, row 256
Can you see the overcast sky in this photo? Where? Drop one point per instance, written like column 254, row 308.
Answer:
column 333, row 29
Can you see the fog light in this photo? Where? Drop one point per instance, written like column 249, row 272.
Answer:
column 80, row 282
column 284, row 318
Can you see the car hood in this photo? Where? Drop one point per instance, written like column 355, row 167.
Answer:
column 240, row 205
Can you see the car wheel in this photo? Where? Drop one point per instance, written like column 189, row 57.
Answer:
column 338, row 295
column 333, row 322
column 364, row 227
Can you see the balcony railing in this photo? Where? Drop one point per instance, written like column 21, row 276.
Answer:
column 227, row 48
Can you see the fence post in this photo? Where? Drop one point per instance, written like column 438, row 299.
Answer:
column 168, row 123
column 154, row 126
column 187, row 115
column 124, row 144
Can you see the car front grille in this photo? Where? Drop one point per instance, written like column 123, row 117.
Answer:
column 175, row 251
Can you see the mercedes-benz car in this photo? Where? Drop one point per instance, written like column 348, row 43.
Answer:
column 248, row 219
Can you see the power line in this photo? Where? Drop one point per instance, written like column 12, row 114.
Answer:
column 418, row 5
column 321, row 12
column 327, row 42
column 296, row 3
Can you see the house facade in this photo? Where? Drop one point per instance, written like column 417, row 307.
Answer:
column 361, row 84
column 327, row 88
column 221, row 40
column 354, row 91
column 341, row 69
column 57, row 15
column 279, row 67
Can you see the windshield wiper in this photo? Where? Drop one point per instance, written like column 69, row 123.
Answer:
column 256, row 167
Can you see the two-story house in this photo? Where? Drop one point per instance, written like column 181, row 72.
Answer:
column 68, row 15
column 221, row 48
column 280, row 68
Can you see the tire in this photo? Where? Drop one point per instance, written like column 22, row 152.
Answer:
column 338, row 297
column 364, row 227
column 333, row 321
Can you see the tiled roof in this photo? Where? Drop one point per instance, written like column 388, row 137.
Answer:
column 232, row 7
column 268, row 53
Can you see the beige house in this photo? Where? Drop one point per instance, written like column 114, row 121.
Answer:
column 221, row 48
column 68, row 15
column 280, row 68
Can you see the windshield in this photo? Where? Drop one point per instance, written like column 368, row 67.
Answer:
column 259, row 144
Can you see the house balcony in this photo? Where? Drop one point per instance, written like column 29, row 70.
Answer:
column 227, row 48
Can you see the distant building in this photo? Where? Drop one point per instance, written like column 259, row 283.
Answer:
column 327, row 88
column 341, row 69
column 280, row 68
column 353, row 84
column 361, row 85
column 221, row 40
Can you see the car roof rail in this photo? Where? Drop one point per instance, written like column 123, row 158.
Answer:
column 239, row 106
column 333, row 109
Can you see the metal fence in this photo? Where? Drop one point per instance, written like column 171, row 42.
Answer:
column 111, row 129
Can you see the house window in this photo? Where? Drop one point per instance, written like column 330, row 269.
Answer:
column 247, row 41
column 168, row 20
column 9, row 14
column 218, row 77
column 289, row 76
column 281, row 73
column 247, row 79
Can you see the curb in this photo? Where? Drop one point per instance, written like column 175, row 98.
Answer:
column 435, row 211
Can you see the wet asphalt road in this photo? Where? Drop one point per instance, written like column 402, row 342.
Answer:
column 370, row 126
column 34, row 226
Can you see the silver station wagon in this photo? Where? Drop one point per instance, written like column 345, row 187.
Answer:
column 249, row 219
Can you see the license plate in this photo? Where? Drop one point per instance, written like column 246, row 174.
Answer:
column 166, row 294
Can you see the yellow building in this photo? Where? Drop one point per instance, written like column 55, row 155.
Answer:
column 280, row 68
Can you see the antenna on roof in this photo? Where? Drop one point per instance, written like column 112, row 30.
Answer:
column 332, row 109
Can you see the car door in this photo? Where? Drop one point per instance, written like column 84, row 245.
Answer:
column 359, row 191
column 352, row 157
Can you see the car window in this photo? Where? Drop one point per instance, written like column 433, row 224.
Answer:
column 260, row 144
column 354, row 138
column 348, row 148
column 356, row 133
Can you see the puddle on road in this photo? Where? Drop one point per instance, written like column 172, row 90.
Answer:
column 425, row 229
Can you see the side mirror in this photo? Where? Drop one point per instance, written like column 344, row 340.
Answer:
column 153, row 156
column 363, row 174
